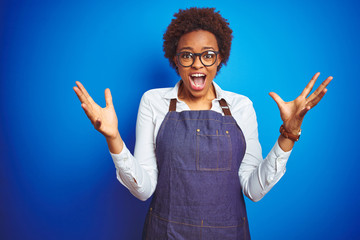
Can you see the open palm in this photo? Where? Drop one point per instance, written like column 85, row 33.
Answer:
column 292, row 113
column 103, row 119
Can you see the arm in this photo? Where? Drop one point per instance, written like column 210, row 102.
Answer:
column 138, row 175
column 257, row 177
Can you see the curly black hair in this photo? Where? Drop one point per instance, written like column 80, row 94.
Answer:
column 193, row 19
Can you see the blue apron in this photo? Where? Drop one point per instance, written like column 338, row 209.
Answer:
column 198, row 193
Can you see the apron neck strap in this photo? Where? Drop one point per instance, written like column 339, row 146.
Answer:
column 223, row 104
column 172, row 107
column 225, row 107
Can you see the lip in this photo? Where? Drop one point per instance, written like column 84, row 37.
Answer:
column 193, row 85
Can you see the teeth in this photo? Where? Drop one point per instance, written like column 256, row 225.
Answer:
column 198, row 75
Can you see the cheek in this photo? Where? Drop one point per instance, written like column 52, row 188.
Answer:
column 182, row 72
column 213, row 71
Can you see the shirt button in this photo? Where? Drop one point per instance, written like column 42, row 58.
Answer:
column 269, row 180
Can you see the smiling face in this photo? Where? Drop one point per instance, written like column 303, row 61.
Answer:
column 197, row 79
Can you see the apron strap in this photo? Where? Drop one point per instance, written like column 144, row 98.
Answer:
column 172, row 107
column 225, row 107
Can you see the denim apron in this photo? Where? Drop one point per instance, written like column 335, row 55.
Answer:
column 198, row 193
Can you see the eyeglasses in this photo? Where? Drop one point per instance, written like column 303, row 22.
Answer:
column 207, row 58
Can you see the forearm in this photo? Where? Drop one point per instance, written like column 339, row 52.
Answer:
column 115, row 144
column 258, row 176
column 137, row 172
column 139, row 177
column 285, row 143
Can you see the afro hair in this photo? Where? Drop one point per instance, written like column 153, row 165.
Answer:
column 193, row 19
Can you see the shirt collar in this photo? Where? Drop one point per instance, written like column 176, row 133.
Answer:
column 173, row 93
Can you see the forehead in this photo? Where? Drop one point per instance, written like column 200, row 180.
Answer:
column 198, row 40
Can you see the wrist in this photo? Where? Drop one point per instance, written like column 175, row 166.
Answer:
column 113, row 137
column 293, row 128
column 115, row 144
column 292, row 135
column 285, row 144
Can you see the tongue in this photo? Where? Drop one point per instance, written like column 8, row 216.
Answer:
column 198, row 80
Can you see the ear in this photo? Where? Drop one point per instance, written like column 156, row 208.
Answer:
column 175, row 61
column 218, row 60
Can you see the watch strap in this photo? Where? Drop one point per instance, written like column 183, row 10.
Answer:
column 288, row 135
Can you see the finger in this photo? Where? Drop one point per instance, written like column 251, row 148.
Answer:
column 108, row 97
column 304, row 111
column 318, row 91
column 84, row 96
column 310, row 85
column 88, row 113
column 83, row 90
column 317, row 99
column 277, row 99
column 80, row 95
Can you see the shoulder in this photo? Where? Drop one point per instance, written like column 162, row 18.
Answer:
column 234, row 100
column 237, row 101
column 153, row 96
column 156, row 101
column 242, row 109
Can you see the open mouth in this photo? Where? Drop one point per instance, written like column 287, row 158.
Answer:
column 197, row 81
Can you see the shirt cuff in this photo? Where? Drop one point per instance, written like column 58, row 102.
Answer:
column 277, row 159
column 281, row 158
column 279, row 152
column 122, row 159
column 126, row 169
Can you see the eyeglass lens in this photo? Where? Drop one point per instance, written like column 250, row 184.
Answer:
column 207, row 58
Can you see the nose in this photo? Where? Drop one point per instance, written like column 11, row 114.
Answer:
column 197, row 63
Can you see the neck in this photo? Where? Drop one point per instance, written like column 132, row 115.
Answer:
column 197, row 103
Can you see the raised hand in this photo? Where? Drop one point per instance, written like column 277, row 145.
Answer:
column 103, row 119
column 292, row 113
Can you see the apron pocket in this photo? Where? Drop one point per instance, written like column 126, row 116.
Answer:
column 213, row 152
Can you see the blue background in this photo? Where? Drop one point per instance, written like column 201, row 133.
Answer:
column 57, row 179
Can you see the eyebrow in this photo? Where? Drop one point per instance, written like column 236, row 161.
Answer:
column 190, row 48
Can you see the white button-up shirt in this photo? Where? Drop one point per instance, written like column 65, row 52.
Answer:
column 139, row 172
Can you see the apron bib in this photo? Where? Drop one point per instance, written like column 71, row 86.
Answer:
column 198, row 193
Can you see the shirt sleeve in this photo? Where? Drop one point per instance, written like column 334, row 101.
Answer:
column 138, row 172
column 258, row 175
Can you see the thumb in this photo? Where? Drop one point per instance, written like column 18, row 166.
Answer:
column 108, row 97
column 276, row 98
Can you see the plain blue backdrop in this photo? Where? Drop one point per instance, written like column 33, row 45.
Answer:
column 57, row 179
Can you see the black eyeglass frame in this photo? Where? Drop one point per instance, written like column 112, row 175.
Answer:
column 198, row 55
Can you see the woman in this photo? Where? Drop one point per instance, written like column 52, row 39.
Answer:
column 197, row 145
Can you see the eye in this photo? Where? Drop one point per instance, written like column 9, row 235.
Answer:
column 208, row 55
column 186, row 55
